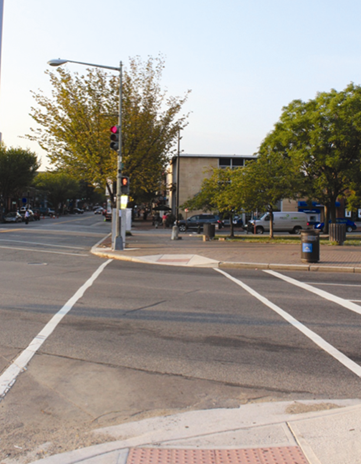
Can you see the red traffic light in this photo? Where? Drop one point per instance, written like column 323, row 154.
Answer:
column 124, row 185
column 114, row 137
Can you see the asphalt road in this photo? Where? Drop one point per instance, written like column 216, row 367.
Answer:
column 146, row 340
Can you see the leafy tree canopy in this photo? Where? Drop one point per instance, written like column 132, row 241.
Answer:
column 58, row 186
column 217, row 194
column 73, row 124
column 262, row 183
column 322, row 137
column 17, row 170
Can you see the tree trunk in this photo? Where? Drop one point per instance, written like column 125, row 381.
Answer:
column 111, row 195
column 326, row 219
column 271, row 224
column 333, row 211
column 231, row 225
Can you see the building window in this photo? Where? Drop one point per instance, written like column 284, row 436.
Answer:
column 224, row 163
column 237, row 162
column 231, row 162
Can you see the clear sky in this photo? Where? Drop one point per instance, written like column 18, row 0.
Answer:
column 243, row 59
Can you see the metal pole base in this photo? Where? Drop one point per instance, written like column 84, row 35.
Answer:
column 118, row 244
column 175, row 231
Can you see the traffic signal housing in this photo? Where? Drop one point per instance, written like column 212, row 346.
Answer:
column 114, row 137
column 124, row 185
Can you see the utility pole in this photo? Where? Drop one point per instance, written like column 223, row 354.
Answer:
column 118, row 240
column 1, row 37
column 119, row 245
column 178, row 168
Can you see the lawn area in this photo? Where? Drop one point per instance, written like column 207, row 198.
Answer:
column 292, row 240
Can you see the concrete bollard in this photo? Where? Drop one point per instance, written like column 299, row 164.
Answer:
column 175, row 231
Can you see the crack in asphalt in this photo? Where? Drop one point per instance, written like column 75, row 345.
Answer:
column 182, row 376
column 145, row 307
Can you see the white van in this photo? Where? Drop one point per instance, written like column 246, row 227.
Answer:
column 286, row 221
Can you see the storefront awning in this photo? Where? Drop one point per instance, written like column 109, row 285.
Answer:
column 315, row 204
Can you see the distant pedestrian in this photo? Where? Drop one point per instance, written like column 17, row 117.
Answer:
column 27, row 215
column 164, row 220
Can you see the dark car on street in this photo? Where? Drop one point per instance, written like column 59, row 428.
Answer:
column 196, row 222
column 77, row 211
column 37, row 214
column 350, row 225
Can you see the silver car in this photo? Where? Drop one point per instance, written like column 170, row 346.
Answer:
column 13, row 217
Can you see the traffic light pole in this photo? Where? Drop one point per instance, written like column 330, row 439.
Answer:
column 118, row 241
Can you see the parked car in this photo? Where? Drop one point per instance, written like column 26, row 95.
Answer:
column 237, row 222
column 350, row 225
column 46, row 211
column 284, row 221
column 77, row 211
column 196, row 222
column 37, row 214
column 22, row 214
column 107, row 215
column 99, row 210
column 13, row 216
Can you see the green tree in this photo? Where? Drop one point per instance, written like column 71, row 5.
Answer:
column 58, row 186
column 90, row 194
column 217, row 194
column 323, row 138
column 265, row 181
column 17, row 170
column 73, row 125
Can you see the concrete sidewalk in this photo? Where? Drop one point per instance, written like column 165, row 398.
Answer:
column 156, row 247
column 314, row 432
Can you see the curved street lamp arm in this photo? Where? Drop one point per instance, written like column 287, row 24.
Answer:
column 59, row 62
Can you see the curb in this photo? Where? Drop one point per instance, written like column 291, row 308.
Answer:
column 289, row 267
column 238, row 265
column 182, row 431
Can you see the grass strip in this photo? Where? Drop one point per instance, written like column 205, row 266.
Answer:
column 282, row 240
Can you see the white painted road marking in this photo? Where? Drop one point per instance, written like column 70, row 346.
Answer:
column 42, row 244
column 327, row 296
column 44, row 251
column 333, row 284
column 8, row 378
column 347, row 362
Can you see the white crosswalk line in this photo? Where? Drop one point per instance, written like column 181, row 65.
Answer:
column 8, row 378
column 327, row 347
column 327, row 296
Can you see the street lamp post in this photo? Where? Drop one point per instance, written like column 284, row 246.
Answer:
column 118, row 242
column 1, row 34
column 178, row 175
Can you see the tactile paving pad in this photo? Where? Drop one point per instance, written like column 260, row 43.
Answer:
column 274, row 455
